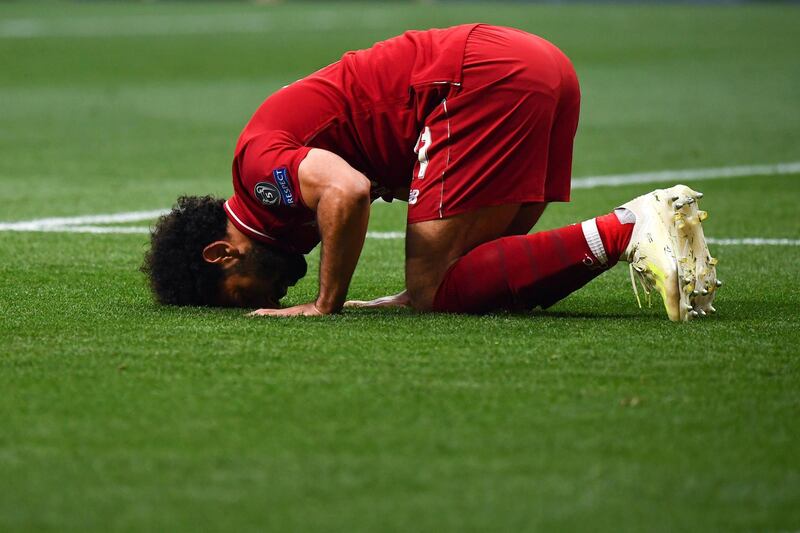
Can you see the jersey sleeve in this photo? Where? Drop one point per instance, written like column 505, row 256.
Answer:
column 267, row 203
column 268, row 166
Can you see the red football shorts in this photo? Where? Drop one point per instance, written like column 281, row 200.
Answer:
column 506, row 136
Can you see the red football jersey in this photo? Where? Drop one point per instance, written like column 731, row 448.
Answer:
column 367, row 108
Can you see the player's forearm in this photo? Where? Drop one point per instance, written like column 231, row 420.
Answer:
column 343, row 222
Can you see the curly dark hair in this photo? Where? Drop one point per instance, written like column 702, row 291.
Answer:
column 174, row 264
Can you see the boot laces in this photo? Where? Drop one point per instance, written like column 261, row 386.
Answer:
column 638, row 270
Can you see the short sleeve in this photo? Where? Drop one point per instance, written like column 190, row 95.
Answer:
column 267, row 203
column 268, row 166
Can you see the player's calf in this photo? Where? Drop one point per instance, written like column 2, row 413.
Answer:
column 525, row 271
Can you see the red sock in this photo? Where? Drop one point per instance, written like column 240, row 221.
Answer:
column 615, row 235
column 526, row 271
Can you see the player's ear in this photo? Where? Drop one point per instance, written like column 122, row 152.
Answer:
column 220, row 252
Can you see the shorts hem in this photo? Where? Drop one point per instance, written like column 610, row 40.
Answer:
column 460, row 210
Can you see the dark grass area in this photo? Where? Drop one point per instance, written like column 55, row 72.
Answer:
column 118, row 414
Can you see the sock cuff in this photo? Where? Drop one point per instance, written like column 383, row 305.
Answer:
column 625, row 215
column 592, row 236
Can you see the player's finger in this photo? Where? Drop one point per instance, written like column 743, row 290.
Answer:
column 263, row 312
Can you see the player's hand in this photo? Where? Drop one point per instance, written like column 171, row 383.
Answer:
column 308, row 309
column 396, row 300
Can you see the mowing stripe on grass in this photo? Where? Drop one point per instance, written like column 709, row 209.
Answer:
column 89, row 223
column 184, row 24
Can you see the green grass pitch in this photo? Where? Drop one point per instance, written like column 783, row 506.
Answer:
column 119, row 415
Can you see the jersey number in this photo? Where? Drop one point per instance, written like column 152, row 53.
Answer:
column 423, row 144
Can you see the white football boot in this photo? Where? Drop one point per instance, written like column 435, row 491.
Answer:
column 668, row 252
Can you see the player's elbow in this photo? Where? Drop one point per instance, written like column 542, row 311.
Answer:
column 359, row 187
column 353, row 191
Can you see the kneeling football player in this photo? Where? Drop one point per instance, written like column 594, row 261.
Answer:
column 473, row 126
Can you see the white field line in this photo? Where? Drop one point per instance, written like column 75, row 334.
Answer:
column 92, row 223
column 754, row 241
column 116, row 218
column 386, row 235
column 778, row 169
column 69, row 228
